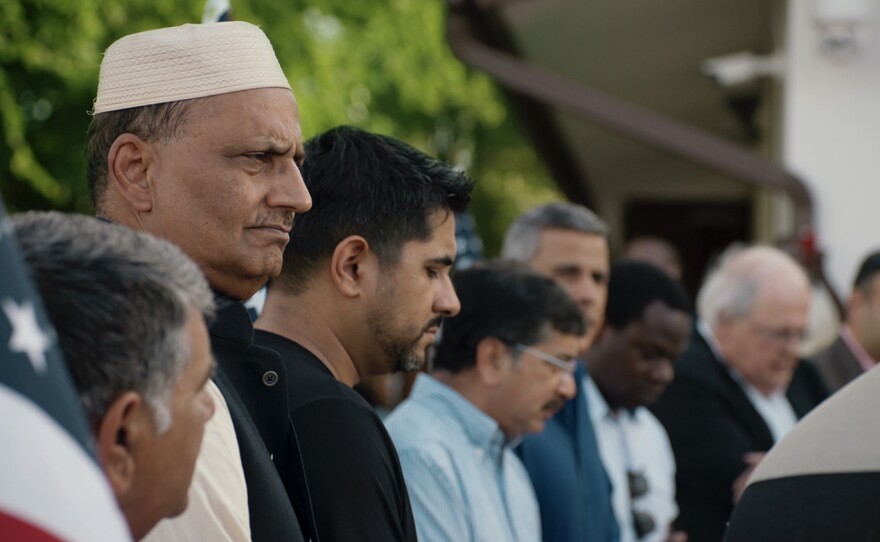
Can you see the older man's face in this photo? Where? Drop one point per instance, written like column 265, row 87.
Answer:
column 579, row 263
column 164, row 462
column 533, row 390
column 227, row 188
column 763, row 345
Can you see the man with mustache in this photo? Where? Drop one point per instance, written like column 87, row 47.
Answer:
column 195, row 138
column 363, row 290
column 646, row 328
column 504, row 366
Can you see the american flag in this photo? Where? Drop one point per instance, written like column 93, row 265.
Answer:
column 51, row 485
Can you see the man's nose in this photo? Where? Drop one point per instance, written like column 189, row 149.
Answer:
column 664, row 372
column 446, row 301
column 567, row 387
column 289, row 190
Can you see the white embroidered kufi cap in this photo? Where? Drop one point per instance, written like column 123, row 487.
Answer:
column 184, row 62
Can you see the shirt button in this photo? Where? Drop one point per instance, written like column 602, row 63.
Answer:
column 270, row 378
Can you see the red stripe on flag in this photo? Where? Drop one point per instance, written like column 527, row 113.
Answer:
column 16, row 529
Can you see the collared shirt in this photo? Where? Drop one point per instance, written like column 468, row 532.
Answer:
column 775, row 409
column 858, row 351
column 634, row 441
column 218, row 503
column 464, row 482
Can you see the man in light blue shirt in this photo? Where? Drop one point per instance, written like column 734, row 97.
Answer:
column 503, row 367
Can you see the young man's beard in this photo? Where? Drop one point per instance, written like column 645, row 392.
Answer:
column 404, row 354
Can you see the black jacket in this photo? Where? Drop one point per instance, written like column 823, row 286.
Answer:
column 711, row 425
column 253, row 382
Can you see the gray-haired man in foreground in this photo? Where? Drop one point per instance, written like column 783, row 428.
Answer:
column 129, row 311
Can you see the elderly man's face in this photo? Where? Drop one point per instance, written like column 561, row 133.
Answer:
column 165, row 462
column 763, row 345
column 227, row 188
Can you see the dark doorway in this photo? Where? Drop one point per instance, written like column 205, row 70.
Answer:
column 699, row 230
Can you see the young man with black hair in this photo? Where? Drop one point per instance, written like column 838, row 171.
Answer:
column 646, row 328
column 504, row 366
column 363, row 290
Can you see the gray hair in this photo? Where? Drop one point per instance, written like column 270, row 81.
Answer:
column 521, row 239
column 119, row 301
column 732, row 287
column 160, row 122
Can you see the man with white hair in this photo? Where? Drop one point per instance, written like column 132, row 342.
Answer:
column 740, row 386
column 195, row 138
column 129, row 311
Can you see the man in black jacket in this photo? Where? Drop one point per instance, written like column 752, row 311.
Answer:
column 195, row 138
column 364, row 289
column 740, row 386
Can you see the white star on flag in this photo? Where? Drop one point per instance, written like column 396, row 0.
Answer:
column 27, row 337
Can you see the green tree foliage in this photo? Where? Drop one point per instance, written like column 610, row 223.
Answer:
column 383, row 65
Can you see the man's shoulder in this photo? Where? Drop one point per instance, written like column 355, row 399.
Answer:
column 415, row 426
column 309, row 382
column 647, row 421
column 832, row 358
column 550, row 438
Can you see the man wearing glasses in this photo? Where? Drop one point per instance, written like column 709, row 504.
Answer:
column 740, row 386
column 503, row 367
column 646, row 328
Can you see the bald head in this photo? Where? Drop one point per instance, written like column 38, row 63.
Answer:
column 756, row 303
column 742, row 276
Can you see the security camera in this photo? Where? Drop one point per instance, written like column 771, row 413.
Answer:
column 740, row 68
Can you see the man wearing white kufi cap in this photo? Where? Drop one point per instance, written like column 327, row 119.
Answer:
column 195, row 138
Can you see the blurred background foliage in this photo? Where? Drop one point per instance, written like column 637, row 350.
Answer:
column 382, row 65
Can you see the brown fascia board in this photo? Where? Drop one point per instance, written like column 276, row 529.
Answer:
column 534, row 88
column 535, row 118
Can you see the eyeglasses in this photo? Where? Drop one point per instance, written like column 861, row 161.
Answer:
column 643, row 522
column 781, row 335
column 568, row 366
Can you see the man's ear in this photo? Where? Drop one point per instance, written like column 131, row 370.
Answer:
column 350, row 265
column 128, row 163
column 493, row 361
column 118, row 434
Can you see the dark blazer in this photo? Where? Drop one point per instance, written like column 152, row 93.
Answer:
column 573, row 489
column 838, row 364
column 822, row 480
column 711, row 425
column 253, row 382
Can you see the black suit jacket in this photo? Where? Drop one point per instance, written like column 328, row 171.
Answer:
column 253, row 382
column 711, row 425
column 838, row 364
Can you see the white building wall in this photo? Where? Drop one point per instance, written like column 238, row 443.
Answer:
column 831, row 136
